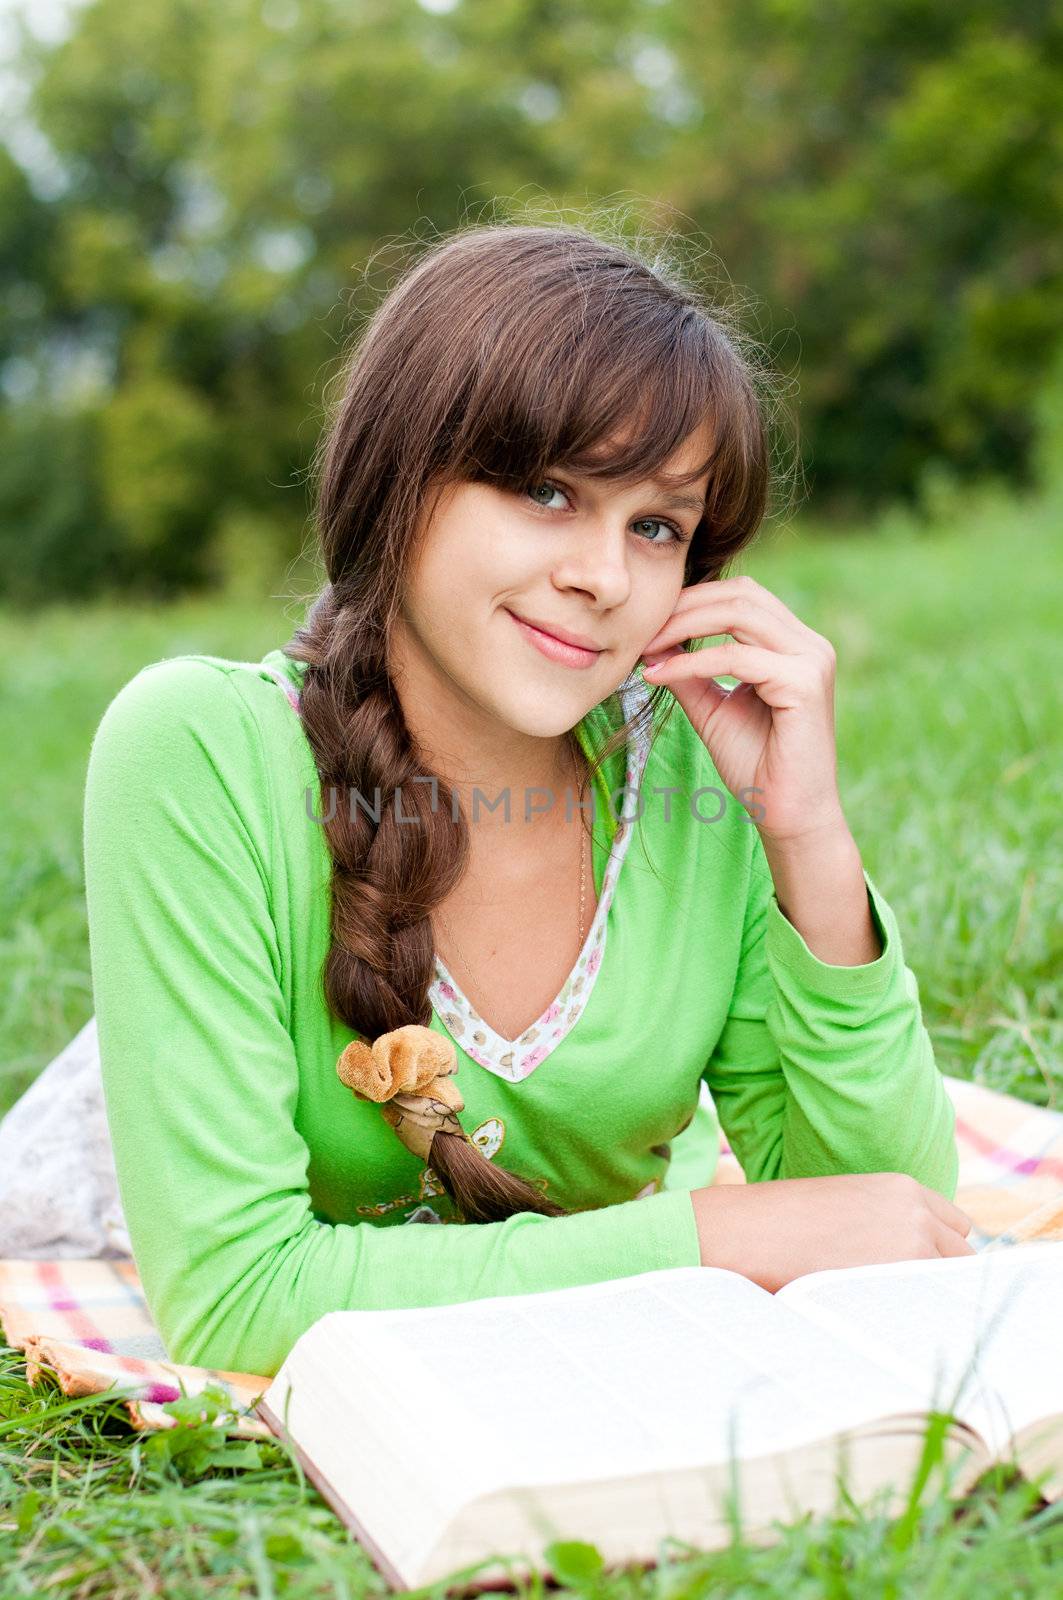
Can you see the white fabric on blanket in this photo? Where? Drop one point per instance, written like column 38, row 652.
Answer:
column 58, row 1187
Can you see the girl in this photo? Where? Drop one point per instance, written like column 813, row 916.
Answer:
column 452, row 802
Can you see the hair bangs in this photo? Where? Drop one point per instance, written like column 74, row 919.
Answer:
column 612, row 390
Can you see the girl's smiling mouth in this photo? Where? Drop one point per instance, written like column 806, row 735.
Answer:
column 570, row 655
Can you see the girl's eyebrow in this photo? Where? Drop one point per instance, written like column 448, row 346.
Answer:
column 684, row 502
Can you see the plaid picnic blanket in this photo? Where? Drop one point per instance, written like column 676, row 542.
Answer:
column 86, row 1319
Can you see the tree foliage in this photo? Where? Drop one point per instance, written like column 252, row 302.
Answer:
column 231, row 185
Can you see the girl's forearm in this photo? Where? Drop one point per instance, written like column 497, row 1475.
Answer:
column 775, row 1231
column 819, row 884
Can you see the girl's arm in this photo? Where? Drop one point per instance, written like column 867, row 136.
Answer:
column 820, row 1069
column 825, row 1069
column 201, row 1075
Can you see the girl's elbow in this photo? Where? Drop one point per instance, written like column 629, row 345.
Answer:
column 221, row 1341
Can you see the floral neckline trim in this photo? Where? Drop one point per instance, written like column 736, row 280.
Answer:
column 516, row 1059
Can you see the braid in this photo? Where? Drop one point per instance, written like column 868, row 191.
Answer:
column 387, row 875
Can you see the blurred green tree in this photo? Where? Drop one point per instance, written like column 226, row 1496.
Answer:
column 239, row 182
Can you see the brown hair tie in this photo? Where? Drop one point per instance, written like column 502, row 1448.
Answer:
column 409, row 1071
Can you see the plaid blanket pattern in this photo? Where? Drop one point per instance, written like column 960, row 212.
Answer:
column 86, row 1320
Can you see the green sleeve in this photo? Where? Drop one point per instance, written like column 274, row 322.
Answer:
column 826, row 1069
column 201, row 1075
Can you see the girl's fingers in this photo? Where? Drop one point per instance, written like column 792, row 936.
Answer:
column 695, row 594
column 745, row 619
column 709, row 662
column 950, row 1214
column 731, row 591
column 782, row 681
column 950, row 1243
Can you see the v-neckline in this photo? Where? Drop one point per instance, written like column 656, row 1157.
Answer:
column 449, row 988
column 516, row 1059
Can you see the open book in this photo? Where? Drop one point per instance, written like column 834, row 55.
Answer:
column 673, row 1404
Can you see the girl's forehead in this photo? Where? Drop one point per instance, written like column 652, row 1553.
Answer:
column 691, row 452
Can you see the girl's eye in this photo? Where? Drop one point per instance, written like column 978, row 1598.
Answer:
column 551, row 487
column 678, row 536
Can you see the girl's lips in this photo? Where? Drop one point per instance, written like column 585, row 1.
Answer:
column 570, row 655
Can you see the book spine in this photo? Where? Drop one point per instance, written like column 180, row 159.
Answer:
column 336, row 1501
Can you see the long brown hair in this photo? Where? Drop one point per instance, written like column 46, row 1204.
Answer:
column 507, row 349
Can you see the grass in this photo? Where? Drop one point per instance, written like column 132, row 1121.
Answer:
column 91, row 1510
column 949, row 664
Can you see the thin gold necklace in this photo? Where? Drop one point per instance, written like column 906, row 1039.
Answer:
column 582, row 899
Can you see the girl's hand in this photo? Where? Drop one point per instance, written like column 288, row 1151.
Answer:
column 773, row 732
column 780, row 1229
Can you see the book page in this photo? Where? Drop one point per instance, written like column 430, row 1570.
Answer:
column 654, row 1372
column 980, row 1335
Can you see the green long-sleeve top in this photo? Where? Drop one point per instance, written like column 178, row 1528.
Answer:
column 260, row 1193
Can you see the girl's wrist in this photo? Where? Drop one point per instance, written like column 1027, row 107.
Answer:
column 714, row 1218
column 820, row 888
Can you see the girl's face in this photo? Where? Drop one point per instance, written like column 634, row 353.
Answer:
column 599, row 561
